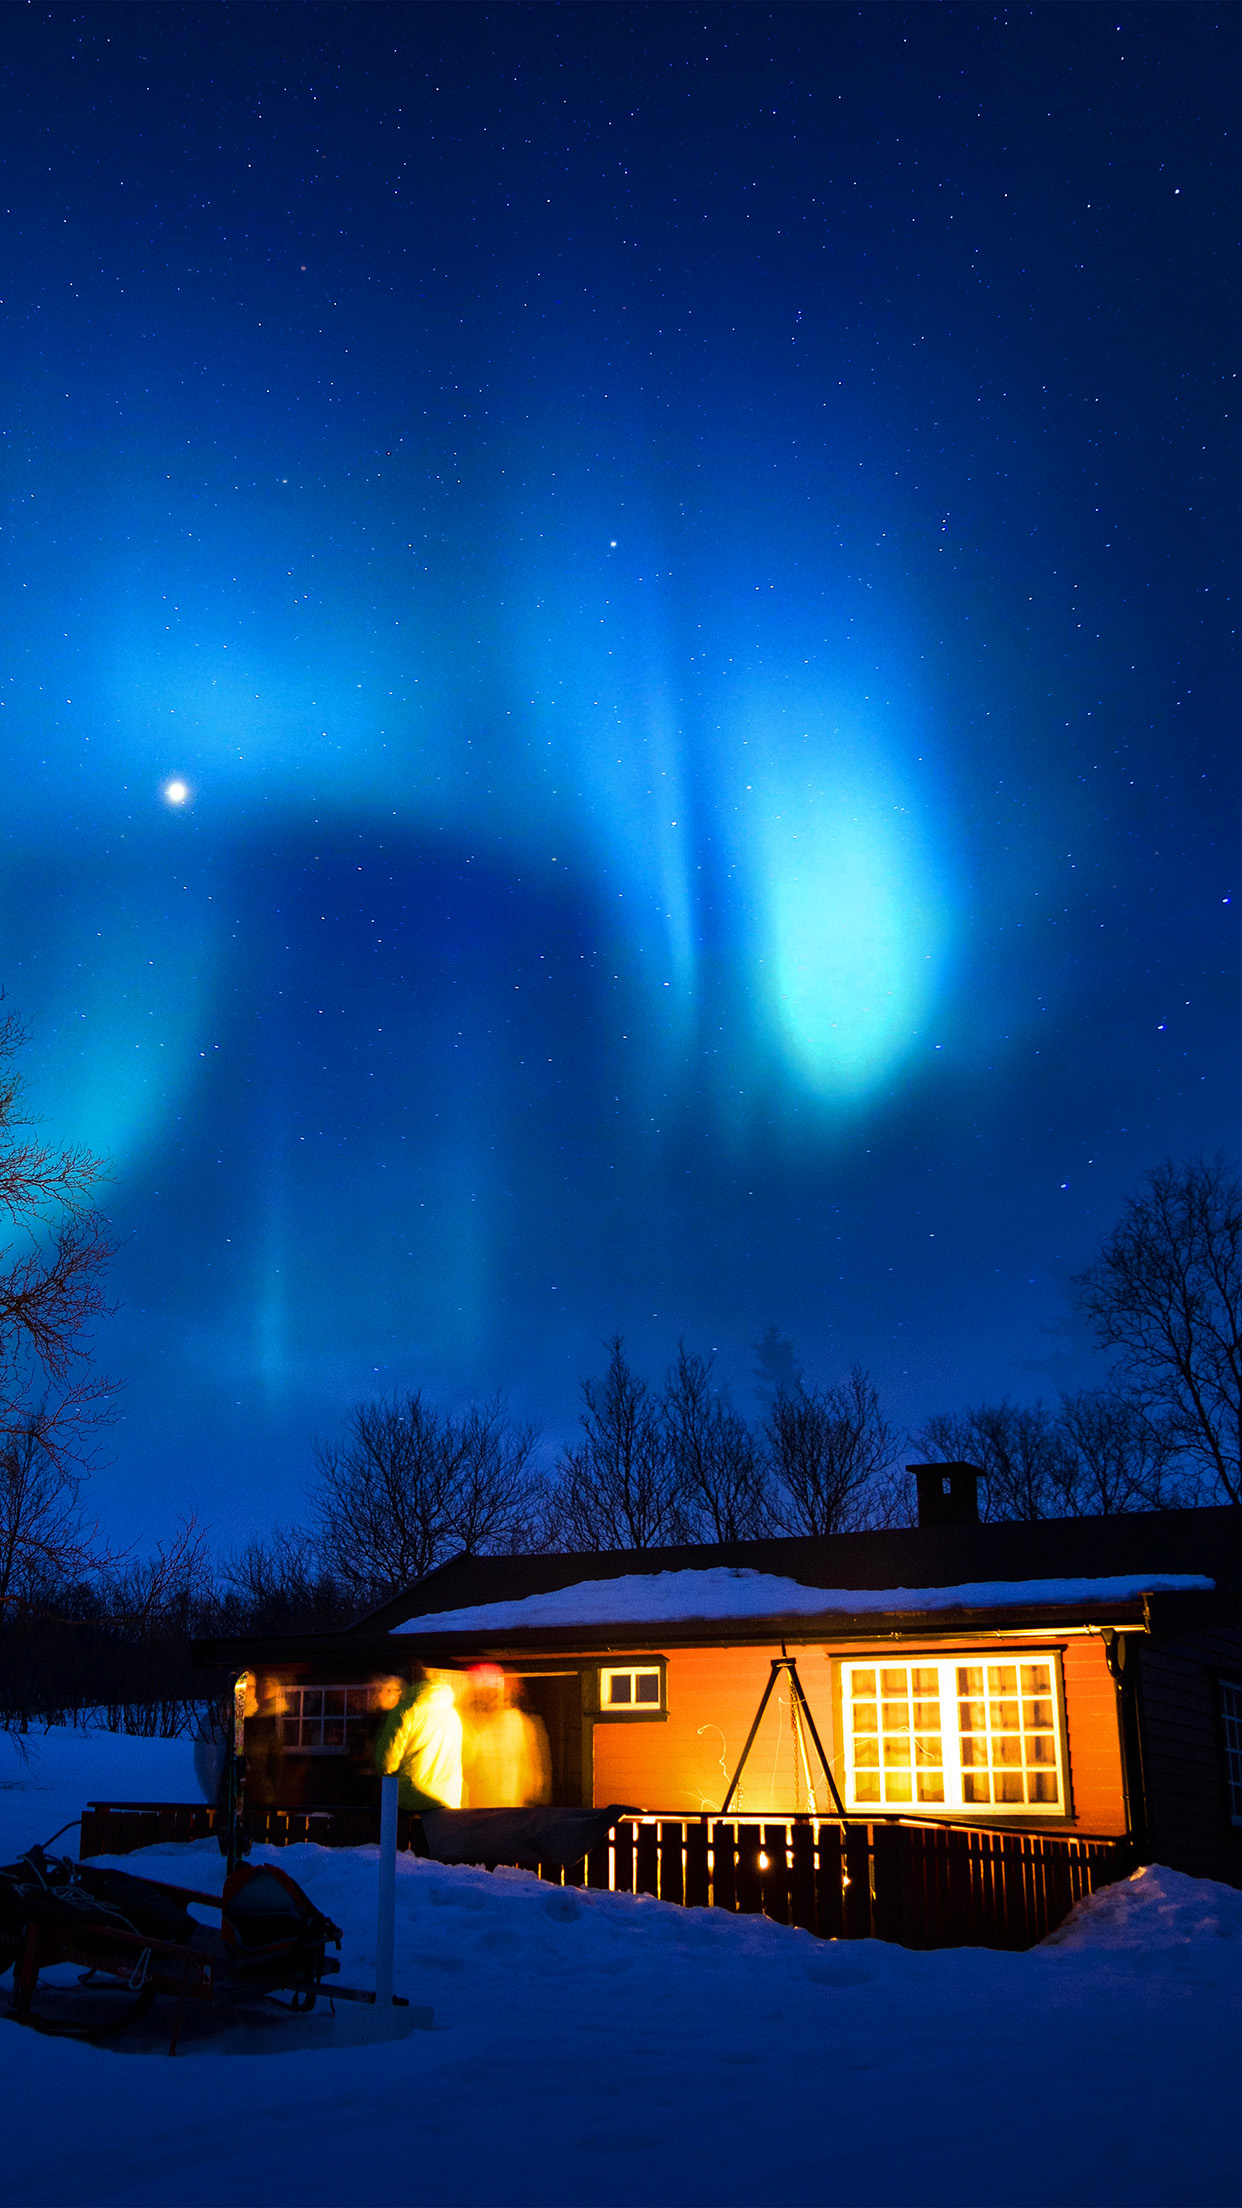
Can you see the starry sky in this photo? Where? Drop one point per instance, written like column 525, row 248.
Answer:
column 618, row 702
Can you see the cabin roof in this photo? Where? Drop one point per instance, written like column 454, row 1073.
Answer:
column 1146, row 1545
column 1053, row 1569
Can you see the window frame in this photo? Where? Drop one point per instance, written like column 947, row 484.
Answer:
column 954, row 1806
column 361, row 1723
column 631, row 1713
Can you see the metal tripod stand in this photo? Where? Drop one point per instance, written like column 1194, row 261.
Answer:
column 801, row 1711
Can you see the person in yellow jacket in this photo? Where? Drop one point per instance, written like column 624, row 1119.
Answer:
column 421, row 1740
column 505, row 1761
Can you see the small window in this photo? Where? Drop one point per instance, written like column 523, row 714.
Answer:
column 1231, row 1711
column 326, row 1721
column 635, row 1688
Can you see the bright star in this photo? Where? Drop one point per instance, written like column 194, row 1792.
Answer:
column 176, row 792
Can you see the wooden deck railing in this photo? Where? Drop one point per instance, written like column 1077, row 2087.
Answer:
column 922, row 1885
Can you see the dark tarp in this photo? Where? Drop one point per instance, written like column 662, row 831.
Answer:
column 517, row 1835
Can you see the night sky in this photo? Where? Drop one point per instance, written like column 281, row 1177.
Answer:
column 684, row 560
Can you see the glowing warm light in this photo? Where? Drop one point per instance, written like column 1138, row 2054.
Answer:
column 463, row 1742
column 505, row 1761
column 423, row 1744
column 176, row 792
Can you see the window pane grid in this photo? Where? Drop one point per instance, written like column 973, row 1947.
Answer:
column 1007, row 1732
column 326, row 1720
column 635, row 1688
column 898, row 1756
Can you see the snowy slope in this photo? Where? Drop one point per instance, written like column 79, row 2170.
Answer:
column 47, row 1777
column 595, row 2048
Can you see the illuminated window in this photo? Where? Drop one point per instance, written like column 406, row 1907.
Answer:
column 1231, row 1712
column 1007, row 1732
column 635, row 1688
column 326, row 1721
column 957, row 1735
column 895, row 1711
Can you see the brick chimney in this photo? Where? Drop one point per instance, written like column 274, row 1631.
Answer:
column 948, row 1493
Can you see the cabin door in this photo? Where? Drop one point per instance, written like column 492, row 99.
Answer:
column 556, row 1699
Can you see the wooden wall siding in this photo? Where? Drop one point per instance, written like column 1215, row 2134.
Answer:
column 685, row 1762
column 1183, row 1750
column 1097, row 1790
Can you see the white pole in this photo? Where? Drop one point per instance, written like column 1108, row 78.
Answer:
column 385, row 1922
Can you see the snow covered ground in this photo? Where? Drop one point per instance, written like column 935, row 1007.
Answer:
column 596, row 2049
column 47, row 1778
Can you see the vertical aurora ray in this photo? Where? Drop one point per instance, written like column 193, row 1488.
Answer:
column 845, row 920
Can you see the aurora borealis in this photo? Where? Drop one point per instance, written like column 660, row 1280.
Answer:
column 685, row 561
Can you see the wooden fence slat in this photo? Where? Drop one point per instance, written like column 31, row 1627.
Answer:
column 887, row 1852
column 698, row 1877
column 749, row 1876
column 830, row 1883
column 857, row 1883
column 802, row 1875
column 625, row 1857
column 724, row 1864
column 672, row 1868
column 647, row 1860
column 597, row 1866
column 774, row 1874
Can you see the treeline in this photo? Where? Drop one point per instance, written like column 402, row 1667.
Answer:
column 117, row 1644
column 411, row 1485
column 656, row 1466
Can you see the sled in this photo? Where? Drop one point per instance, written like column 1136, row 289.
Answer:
column 134, row 1938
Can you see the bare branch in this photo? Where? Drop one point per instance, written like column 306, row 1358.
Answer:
column 411, row 1485
column 618, row 1486
column 828, row 1448
column 1165, row 1293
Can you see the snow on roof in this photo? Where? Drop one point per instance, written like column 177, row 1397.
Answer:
column 728, row 1592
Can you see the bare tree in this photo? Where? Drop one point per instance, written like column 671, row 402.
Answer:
column 500, row 1499
column 1097, row 1453
column 1122, row 1458
column 618, row 1486
column 828, row 1449
column 412, row 1485
column 1165, row 1293
column 51, row 1400
column 722, row 1484
column 44, row 1540
column 1026, row 1467
column 278, row 1581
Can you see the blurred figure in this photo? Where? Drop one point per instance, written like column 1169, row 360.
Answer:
column 267, row 1779
column 505, row 1763
column 421, row 1740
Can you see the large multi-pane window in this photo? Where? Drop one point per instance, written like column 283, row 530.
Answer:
column 1231, row 1712
column 322, row 1721
column 959, row 1733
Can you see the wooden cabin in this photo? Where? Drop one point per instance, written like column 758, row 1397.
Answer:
column 1072, row 1676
